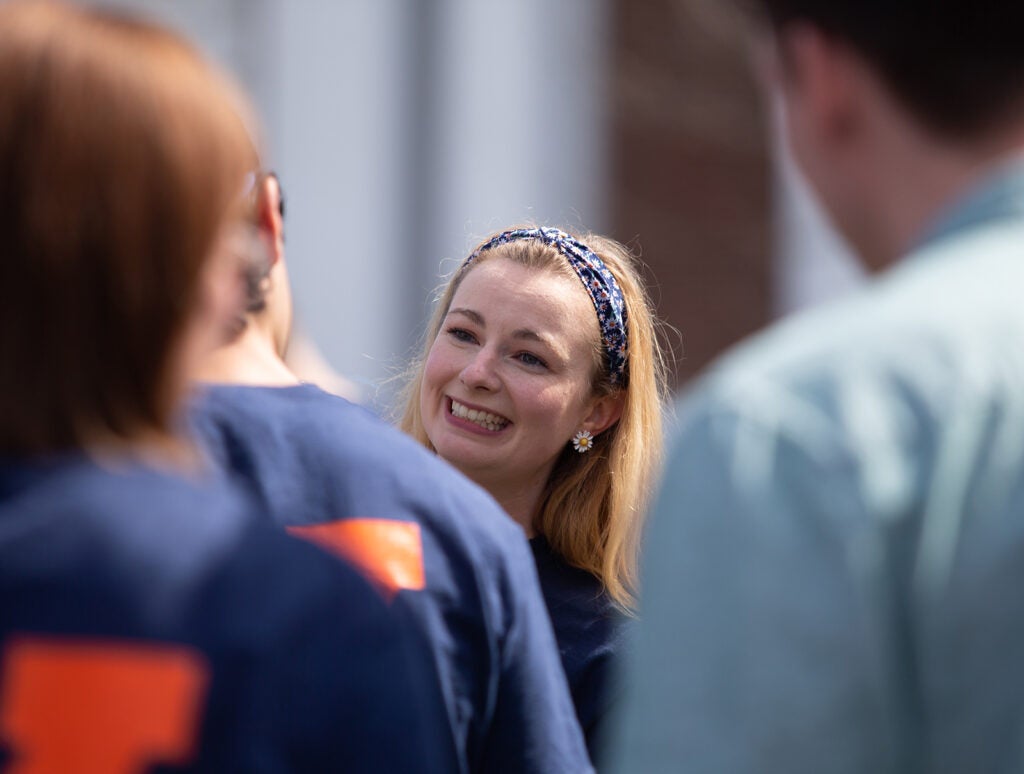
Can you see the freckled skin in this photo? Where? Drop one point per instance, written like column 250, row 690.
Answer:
column 485, row 357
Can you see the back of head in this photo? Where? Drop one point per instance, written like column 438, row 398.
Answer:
column 957, row 66
column 121, row 156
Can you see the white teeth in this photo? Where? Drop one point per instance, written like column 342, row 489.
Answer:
column 486, row 419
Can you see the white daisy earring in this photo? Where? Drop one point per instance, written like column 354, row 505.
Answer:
column 583, row 441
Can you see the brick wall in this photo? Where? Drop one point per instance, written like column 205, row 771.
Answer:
column 691, row 177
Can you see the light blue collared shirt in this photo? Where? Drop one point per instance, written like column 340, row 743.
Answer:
column 834, row 572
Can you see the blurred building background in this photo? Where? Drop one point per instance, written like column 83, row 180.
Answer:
column 406, row 130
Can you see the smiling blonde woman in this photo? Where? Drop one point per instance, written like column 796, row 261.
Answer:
column 542, row 380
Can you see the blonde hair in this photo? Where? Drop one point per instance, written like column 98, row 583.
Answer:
column 592, row 508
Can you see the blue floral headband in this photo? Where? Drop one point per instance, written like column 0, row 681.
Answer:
column 599, row 282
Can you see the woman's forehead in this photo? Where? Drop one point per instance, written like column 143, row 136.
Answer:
column 506, row 287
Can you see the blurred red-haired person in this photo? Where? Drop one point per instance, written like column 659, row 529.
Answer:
column 144, row 618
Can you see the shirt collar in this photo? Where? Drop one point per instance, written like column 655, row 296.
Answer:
column 997, row 196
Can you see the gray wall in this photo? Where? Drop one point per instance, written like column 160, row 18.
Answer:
column 404, row 130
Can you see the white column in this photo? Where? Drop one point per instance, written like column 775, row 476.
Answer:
column 343, row 108
column 519, row 119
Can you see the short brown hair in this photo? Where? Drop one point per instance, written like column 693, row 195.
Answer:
column 957, row 66
column 121, row 156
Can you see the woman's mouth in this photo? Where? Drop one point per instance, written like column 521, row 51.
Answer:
column 485, row 419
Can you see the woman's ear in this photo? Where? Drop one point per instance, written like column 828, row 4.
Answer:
column 604, row 412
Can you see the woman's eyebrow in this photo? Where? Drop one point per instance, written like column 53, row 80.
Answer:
column 553, row 346
column 471, row 314
column 520, row 333
column 526, row 333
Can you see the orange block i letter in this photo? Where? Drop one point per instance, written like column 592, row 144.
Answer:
column 103, row 707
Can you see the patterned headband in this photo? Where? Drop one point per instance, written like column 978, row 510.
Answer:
column 599, row 282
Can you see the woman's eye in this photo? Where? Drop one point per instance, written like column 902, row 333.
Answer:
column 461, row 334
column 527, row 358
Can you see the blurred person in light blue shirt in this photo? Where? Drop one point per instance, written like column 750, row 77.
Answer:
column 833, row 571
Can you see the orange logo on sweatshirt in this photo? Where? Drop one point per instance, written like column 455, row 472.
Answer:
column 388, row 552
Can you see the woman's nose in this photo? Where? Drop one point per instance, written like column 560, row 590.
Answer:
column 480, row 373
